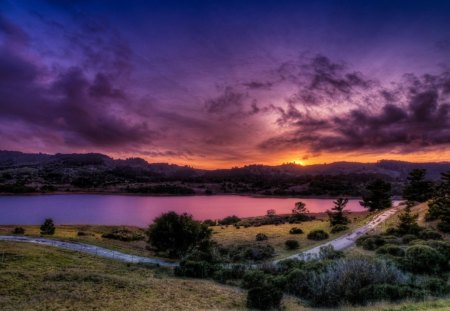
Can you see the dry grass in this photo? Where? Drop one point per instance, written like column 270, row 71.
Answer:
column 278, row 234
column 43, row 278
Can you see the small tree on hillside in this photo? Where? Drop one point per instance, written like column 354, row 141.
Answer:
column 48, row 227
column 300, row 212
column 418, row 189
column 177, row 234
column 378, row 196
column 336, row 215
column 408, row 221
column 439, row 205
column 271, row 213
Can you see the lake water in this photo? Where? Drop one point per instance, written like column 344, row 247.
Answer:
column 141, row 210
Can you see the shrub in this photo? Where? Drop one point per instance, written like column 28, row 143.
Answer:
column 254, row 278
column 297, row 283
column 393, row 250
column 328, row 252
column 209, row 222
column 390, row 292
column 317, row 235
column 222, row 275
column 338, row 228
column 230, row 220
column 408, row 238
column 291, row 244
column 444, row 226
column 435, row 286
column 370, row 242
column 261, row 237
column 342, row 280
column 18, row 230
column 264, row 298
column 48, row 227
column 195, row 269
column 423, row 259
column 122, row 234
column 295, row 230
column 429, row 234
column 176, row 234
column 253, row 252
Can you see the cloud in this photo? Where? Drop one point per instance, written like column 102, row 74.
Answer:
column 419, row 120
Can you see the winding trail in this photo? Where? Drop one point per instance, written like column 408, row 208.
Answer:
column 90, row 249
column 340, row 243
column 348, row 239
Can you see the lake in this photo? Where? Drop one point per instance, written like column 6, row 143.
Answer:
column 141, row 210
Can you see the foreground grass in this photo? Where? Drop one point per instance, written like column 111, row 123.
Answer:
column 34, row 277
column 44, row 278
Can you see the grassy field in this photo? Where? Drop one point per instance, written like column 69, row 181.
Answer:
column 226, row 235
column 278, row 234
column 45, row 278
column 35, row 277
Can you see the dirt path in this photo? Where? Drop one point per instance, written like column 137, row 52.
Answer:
column 90, row 249
column 340, row 243
column 347, row 240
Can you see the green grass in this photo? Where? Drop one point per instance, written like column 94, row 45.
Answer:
column 35, row 277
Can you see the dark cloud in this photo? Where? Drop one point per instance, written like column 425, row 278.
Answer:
column 84, row 111
column 420, row 120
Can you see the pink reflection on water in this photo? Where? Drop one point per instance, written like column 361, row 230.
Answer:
column 141, row 210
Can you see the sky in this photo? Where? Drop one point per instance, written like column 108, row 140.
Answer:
column 218, row 84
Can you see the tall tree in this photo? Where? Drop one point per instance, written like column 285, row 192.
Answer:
column 417, row 188
column 377, row 196
column 408, row 221
column 336, row 215
column 439, row 205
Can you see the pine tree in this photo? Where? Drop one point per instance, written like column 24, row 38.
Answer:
column 336, row 215
column 408, row 221
column 378, row 196
column 418, row 189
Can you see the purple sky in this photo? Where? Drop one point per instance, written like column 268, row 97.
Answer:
column 225, row 83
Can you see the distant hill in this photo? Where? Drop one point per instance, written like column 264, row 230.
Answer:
column 95, row 172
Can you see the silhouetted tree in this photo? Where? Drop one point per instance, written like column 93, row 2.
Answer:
column 177, row 234
column 418, row 189
column 48, row 227
column 336, row 215
column 439, row 205
column 271, row 212
column 300, row 212
column 378, row 195
column 408, row 221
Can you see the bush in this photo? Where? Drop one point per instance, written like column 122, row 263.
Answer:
column 250, row 252
column 429, row 234
column 122, row 234
column 342, row 281
column 230, row 220
column 295, row 230
column 423, row 259
column 408, row 238
column 18, row 230
column 209, row 222
column 390, row 292
column 195, row 269
column 393, row 250
column 370, row 242
column 291, row 244
column 264, row 298
column 222, row 275
column 435, row 286
column 254, row 278
column 328, row 252
column 317, row 235
column 48, row 227
column 297, row 283
column 338, row 228
column 261, row 237
column 176, row 234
